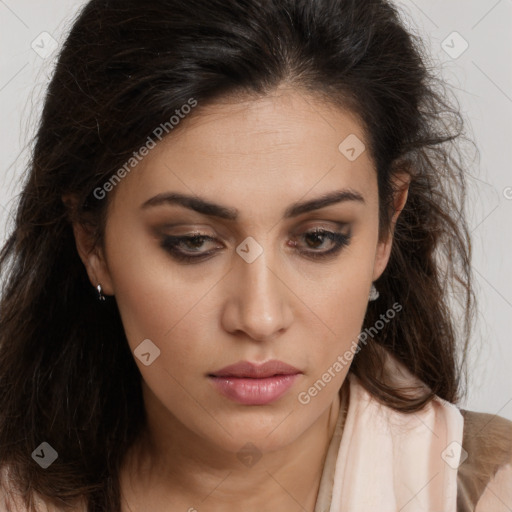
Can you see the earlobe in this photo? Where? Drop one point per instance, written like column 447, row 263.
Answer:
column 93, row 259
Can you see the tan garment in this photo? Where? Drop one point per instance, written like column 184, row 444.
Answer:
column 485, row 478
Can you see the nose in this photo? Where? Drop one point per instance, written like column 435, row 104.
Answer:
column 257, row 299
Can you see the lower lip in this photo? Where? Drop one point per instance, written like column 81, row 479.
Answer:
column 254, row 391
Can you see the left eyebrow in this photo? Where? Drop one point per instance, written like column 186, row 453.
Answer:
column 211, row 209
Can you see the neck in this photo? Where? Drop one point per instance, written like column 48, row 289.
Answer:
column 188, row 472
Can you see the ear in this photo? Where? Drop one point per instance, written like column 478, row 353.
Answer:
column 400, row 182
column 92, row 256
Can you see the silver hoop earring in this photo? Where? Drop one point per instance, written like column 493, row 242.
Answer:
column 374, row 293
column 100, row 293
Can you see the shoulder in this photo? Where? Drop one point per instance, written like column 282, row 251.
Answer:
column 485, row 476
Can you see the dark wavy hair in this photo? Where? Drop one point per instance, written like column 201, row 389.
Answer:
column 67, row 375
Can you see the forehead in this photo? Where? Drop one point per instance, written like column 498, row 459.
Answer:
column 279, row 146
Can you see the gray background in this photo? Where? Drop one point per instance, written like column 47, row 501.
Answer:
column 481, row 78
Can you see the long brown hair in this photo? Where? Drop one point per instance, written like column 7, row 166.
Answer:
column 67, row 376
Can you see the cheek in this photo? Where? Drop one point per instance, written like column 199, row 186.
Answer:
column 338, row 306
column 342, row 316
column 340, row 297
column 150, row 296
column 158, row 302
column 162, row 311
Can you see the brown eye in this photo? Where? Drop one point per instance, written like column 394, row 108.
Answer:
column 318, row 237
column 172, row 245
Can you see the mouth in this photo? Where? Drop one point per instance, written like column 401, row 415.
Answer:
column 252, row 384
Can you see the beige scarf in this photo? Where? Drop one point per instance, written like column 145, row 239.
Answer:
column 386, row 461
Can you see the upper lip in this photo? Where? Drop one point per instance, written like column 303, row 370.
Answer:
column 255, row 370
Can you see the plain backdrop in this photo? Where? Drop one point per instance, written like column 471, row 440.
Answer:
column 471, row 43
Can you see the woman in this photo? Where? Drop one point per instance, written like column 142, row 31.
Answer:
column 227, row 282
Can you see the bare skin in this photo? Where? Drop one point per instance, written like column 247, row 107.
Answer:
column 258, row 156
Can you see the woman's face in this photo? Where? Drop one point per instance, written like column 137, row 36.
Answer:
column 260, row 285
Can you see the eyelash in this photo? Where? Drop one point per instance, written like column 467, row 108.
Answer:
column 170, row 244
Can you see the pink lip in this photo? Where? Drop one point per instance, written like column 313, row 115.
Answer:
column 254, row 370
column 253, row 384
